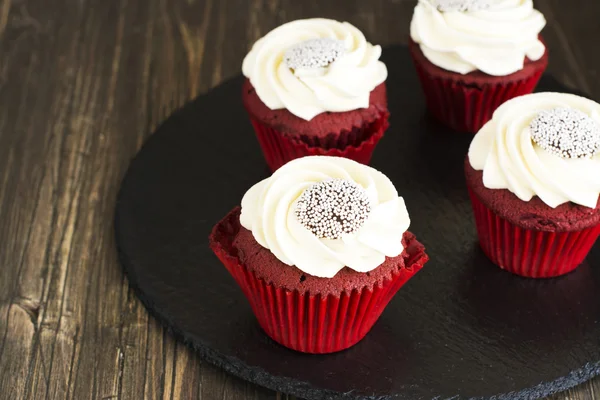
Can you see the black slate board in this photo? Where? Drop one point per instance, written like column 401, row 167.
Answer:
column 461, row 328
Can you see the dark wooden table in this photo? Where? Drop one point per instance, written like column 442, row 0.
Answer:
column 82, row 83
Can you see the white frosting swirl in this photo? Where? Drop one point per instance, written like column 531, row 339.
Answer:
column 268, row 211
column 495, row 40
column 344, row 85
column 511, row 160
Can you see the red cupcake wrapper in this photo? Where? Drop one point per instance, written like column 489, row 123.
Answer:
column 279, row 148
column 530, row 253
column 311, row 323
column 466, row 108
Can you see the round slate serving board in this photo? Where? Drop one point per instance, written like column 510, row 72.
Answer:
column 461, row 328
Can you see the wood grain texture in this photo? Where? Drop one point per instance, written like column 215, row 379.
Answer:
column 82, row 83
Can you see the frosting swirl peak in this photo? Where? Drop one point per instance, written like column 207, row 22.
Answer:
column 311, row 66
column 494, row 39
column 322, row 214
column 512, row 159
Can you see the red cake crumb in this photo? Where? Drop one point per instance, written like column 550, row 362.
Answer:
column 325, row 127
column 477, row 78
column 266, row 266
column 533, row 214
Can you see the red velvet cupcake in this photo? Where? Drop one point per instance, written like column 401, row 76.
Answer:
column 473, row 55
column 533, row 174
column 315, row 87
column 319, row 249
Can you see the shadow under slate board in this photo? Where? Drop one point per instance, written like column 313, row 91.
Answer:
column 461, row 327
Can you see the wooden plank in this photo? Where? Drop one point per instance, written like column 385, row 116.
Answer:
column 154, row 364
column 27, row 203
column 81, row 177
column 4, row 12
column 19, row 331
column 217, row 384
column 186, row 383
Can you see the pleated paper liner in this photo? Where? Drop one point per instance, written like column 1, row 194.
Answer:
column 466, row 107
column 530, row 253
column 305, row 322
column 358, row 145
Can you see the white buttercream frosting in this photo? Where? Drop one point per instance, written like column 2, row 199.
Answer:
column 269, row 212
column 343, row 85
column 511, row 160
column 494, row 40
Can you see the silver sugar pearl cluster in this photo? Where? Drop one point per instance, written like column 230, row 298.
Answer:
column 461, row 5
column 313, row 53
column 332, row 208
column 566, row 132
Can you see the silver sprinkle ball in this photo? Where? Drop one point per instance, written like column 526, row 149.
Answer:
column 566, row 132
column 313, row 53
column 461, row 5
column 332, row 208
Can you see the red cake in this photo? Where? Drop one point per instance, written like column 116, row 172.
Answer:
column 304, row 312
column 465, row 103
column 529, row 238
column 319, row 249
column 471, row 56
column 315, row 87
column 533, row 214
column 326, row 131
column 267, row 267
column 533, row 174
